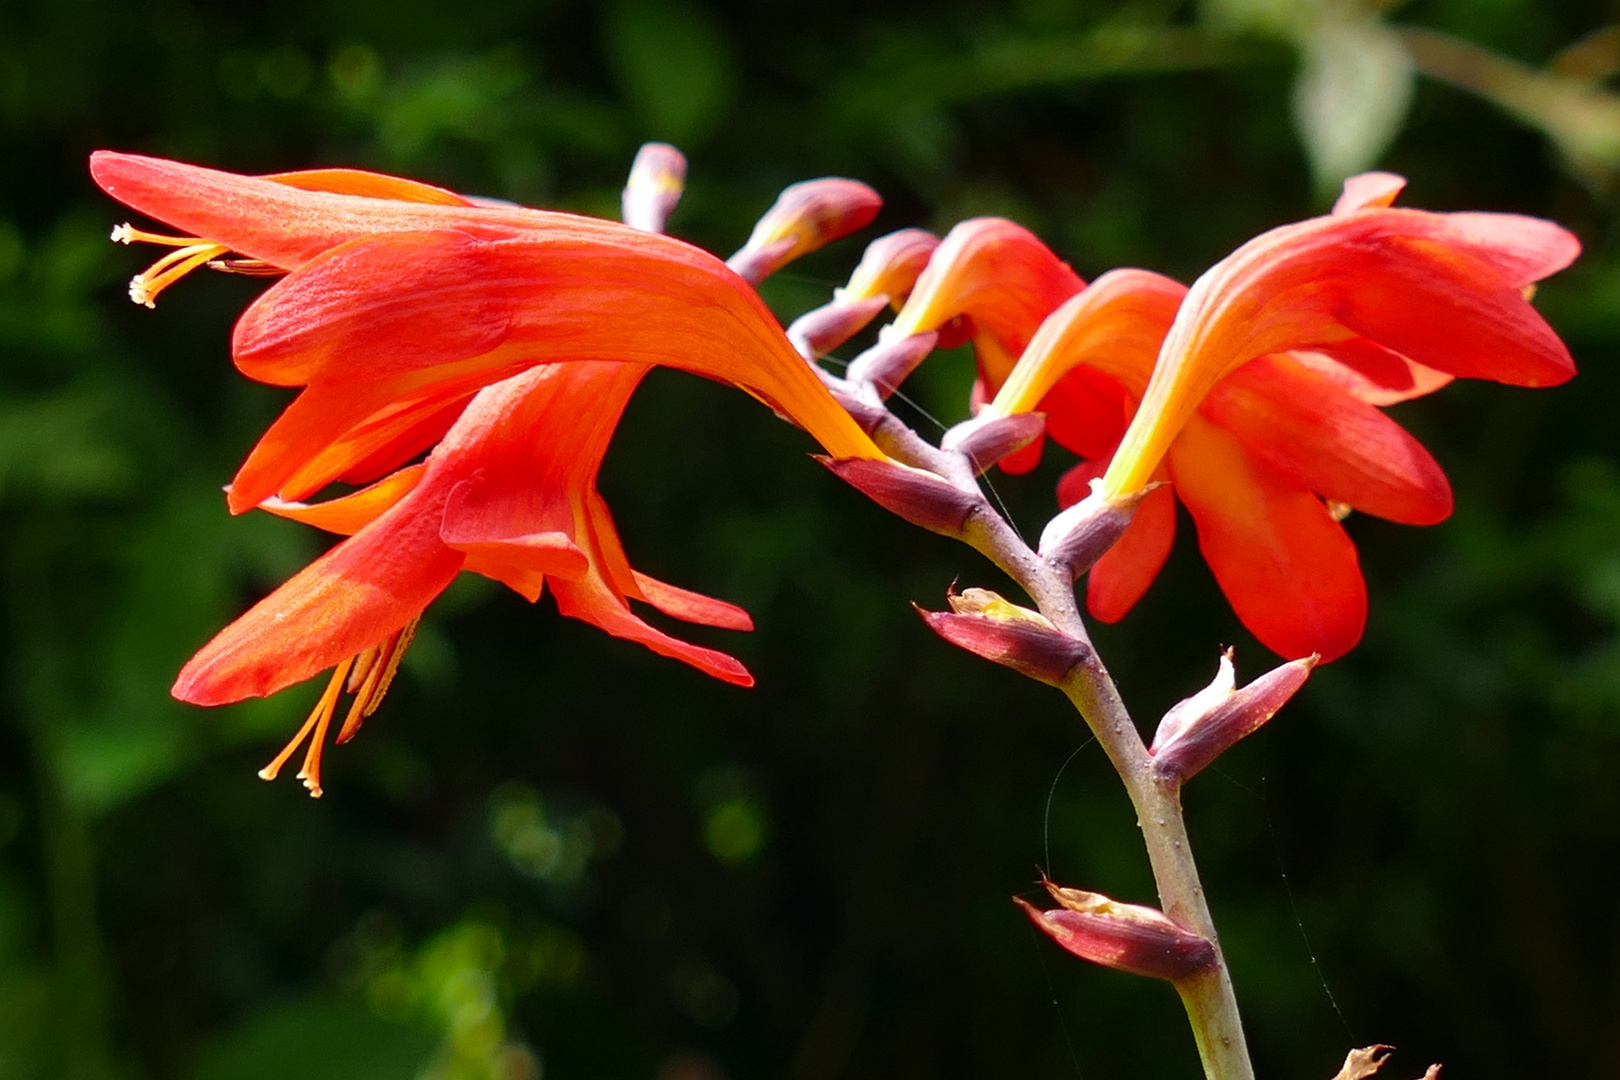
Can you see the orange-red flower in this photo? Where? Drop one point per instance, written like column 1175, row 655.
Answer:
column 513, row 339
column 403, row 300
column 510, row 493
column 1255, row 394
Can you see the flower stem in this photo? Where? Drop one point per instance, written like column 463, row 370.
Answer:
column 1211, row 1005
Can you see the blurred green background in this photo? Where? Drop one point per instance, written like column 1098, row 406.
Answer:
column 554, row 853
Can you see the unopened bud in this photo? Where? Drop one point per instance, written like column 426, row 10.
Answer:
column 817, row 333
column 887, row 364
column 920, row 497
column 1199, row 729
column 986, row 441
column 986, row 625
column 1077, row 537
column 657, row 178
column 891, row 266
column 806, row 216
column 1126, row 937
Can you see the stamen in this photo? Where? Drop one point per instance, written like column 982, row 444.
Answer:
column 144, row 287
column 367, row 677
column 191, row 252
column 310, row 773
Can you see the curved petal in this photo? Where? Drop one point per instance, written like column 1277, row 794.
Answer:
column 590, row 598
column 1370, row 372
column 1369, row 191
column 1287, row 568
column 1115, row 325
column 1000, row 275
column 1331, row 443
column 346, row 317
column 350, row 513
column 353, row 597
column 369, row 185
column 1443, row 290
column 1086, row 412
column 286, row 225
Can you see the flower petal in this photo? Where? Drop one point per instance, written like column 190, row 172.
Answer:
column 350, row 513
column 1115, row 325
column 353, row 597
column 1333, row 444
column 1369, row 191
column 1287, row 568
column 1371, row 372
column 1000, row 275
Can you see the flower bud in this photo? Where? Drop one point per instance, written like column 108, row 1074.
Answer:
column 891, row 266
column 821, row 330
column 886, row 364
column 987, row 440
column 1197, row 730
column 986, row 625
column 1126, row 937
column 1077, row 537
column 920, row 497
column 806, row 216
column 657, row 178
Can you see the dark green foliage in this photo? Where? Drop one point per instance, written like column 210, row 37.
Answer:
column 552, row 839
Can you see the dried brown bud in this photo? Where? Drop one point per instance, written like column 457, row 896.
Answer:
column 1077, row 537
column 886, row 364
column 821, row 330
column 986, row 441
column 986, row 625
column 806, row 216
column 1199, row 729
column 920, row 497
column 1126, row 937
column 657, row 178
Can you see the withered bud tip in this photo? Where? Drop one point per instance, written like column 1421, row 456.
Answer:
column 1199, row 729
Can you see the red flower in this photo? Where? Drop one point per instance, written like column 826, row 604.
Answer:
column 403, row 300
column 1261, row 402
column 513, row 339
column 510, row 493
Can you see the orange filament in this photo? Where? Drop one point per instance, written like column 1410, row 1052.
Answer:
column 367, row 677
column 190, row 253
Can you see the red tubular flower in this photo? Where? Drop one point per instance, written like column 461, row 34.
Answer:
column 1255, row 393
column 510, row 493
column 403, row 300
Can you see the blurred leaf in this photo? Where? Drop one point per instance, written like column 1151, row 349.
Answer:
column 1352, row 95
column 675, row 64
column 317, row 1038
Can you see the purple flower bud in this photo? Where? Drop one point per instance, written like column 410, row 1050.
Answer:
column 1126, row 937
column 986, row 441
column 1199, row 729
column 920, row 497
column 986, row 625
column 886, row 364
column 818, row 332
column 657, row 178
column 1076, row 538
column 891, row 266
column 805, row 217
